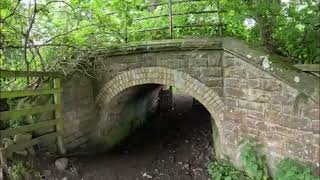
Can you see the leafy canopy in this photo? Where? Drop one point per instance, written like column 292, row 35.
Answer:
column 48, row 34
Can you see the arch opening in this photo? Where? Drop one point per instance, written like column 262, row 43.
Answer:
column 176, row 140
column 169, row 77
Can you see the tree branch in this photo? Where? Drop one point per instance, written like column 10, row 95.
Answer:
column 27, row 35
column 12, row 13
column 38, row 46
column 61, row 2
column 65, row 33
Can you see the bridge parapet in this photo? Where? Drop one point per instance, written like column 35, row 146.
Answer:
column 275, row 65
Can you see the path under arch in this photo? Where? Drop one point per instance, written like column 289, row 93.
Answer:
column 169, row 77
column 174, row 145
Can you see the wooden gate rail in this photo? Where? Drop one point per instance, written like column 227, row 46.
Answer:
column 55, row 107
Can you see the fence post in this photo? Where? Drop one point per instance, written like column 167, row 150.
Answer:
column 58, row 116
column 220, row 33
column 170, row 18
column 3, row 157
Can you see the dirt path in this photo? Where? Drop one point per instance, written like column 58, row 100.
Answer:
column 174, row 146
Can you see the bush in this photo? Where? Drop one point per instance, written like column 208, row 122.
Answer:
column 253, row 163
column 224, row 170
column 19, row 170
column 293, row 169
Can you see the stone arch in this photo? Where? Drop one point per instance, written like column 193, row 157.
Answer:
column 184, row 82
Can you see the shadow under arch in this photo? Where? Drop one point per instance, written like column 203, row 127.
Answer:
column 170, row 77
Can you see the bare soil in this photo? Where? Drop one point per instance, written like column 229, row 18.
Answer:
column 176, row 145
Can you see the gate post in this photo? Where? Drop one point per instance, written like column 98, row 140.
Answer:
column 58, row 116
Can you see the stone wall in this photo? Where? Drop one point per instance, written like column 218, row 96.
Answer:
column 257, row 104
column 247, row 92
column 80, row 110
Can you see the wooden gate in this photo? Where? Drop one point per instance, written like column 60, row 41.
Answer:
column 55, row 107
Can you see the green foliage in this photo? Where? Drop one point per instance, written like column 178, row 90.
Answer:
column 19, row 170
column 293, row 169
column 50, row 34
column 13, row 123
column 255, row 167
column 253, row 163
column 4, row 125
column 224, row 170
column 18, row 122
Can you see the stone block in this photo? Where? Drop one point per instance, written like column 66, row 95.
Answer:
column 298, row 123
column 285, row 99
column 316, row 127
column 197, row 62
column 312, row 113
column 234, row 113
column 212, row 72
column 214, row 61
column 257, row 95
column 271, row 85
column 214, row 58
column 234, row 72
column 195, row 72
column 229, row 101
column 234, row 92
column 287, row 110
column 213, row 82
column 255, row 115
column 231, row 82
column 70, row 116
column 230, row 125
column 253, row 83
column 316, row 140
column 230, row 60
column 301, row 150
column 273, row 113
column 255, row 106
column 292, row 133
column 255, row 73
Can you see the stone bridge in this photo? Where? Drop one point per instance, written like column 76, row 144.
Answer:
column 246, row 91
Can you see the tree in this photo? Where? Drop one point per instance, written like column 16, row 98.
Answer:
column 50, row 34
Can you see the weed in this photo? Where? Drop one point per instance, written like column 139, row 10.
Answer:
column 293, row 169
column 18, row 170
column 224, row 170
column 253, row 163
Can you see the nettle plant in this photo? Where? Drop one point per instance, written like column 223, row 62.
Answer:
column 224, row 170
column 253, row 163
column 293, row 169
